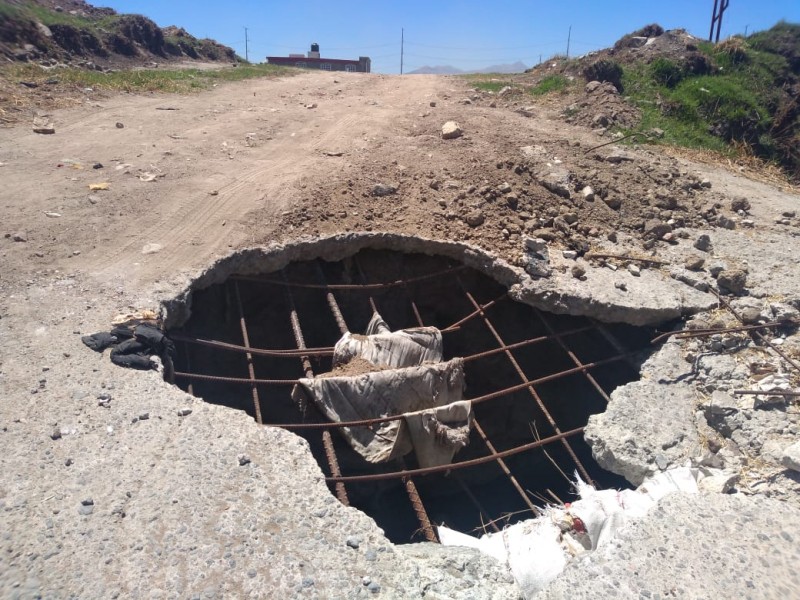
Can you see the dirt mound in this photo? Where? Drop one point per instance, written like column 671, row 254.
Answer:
column 73, row 32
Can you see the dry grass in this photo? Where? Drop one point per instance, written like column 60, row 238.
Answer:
column 743, row 163
column 64, row 87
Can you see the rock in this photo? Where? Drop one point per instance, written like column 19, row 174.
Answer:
column 740, row 203
column 587, row 193
column 613, row 202
column 56, row 435
column 504, row 188
column 44, row 130
column 569, row 254
column 621, row 285
column 791, row 457
column 733, row 281
column 578, row 271
column 433, row 104
column 634, row 270
column 656, row 228
column 694, row 262
column 718, row 483
column 353, row 542
column 243, row 460
column 384, row 189
column 19, row 237
column 151, row 248
column 556, row 179
column 600, row 120
column 592, row 86
column 87, row 502
column 703, row 243
column 120, row 126
column 475, row 218
column 537, row 257
column 619, row 156
column 726, row 222
column 451, row 130
column 184, row 412
column 312, row 105
column 750, row 315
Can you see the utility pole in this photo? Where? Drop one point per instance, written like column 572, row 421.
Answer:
column 569, row 37
column 402, row 42
column 716, row 19
column 246, row 46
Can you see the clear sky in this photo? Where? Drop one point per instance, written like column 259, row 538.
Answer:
column 468, row 34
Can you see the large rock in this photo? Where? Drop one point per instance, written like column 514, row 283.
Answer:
column 451, row 130
column 647, row 426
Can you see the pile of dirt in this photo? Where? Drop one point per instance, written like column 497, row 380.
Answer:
column 79, row 34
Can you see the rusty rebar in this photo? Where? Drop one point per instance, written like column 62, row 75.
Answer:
column 500, row 462
column 459, row 465
column 474, row 313
column 327, row 440
column 626, row 258
column 573, row 357
column 531, row 390
column 777, row 350
column 351, row 286
column 364, row 422
column 684, row 334
column 275, row 353
column 411, row 489
column 249, row 357
column 765, row 393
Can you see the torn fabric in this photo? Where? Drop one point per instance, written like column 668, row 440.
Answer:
column 405, row 376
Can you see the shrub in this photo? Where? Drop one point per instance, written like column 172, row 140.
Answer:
column 605, row 70
column 666, row 72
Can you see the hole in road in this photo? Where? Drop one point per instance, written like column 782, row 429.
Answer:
column 559, row 370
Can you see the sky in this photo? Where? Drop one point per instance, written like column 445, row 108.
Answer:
column 467, row 34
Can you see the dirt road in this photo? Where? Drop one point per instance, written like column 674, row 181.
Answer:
column 215, row 158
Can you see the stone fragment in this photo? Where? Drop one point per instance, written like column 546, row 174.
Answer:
column 719, row 483
column 733, row 281
column 151, row 248
column 353, row 542
column 694, row 262
column 634, row 270
column 537, row 257
column 20, row 236
column 587, row 193
column 613, row 202
column 451, row 130
column 791, row 457
column 243, row 459
column 569, row 254
column 56, row 435
column 556, row 179
column 621, row 285
column 703, row 243
column 578, row 271
column 750, row 315
column 184, row 412
column 384, row 189
column 475, row 218
column 726, row 222
column 740, row 203
column 656, row 228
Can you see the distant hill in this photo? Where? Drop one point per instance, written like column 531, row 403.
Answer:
column 75, row 32
column 517, row 67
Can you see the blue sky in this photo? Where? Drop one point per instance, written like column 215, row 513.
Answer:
column 470, row 34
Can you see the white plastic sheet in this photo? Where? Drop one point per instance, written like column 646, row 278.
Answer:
column 537, row 550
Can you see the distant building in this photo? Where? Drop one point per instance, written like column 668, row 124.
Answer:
column 314, row 61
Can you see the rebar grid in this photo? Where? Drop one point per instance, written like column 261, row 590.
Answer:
column 303, row 353
column 487, row 442
column 531, row 390
column 411, row 489
column 327, row 441
column 248, row 355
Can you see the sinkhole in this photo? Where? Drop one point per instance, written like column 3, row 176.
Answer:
column 534, row 379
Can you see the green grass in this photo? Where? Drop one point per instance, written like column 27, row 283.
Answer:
column 732, row 105
column 551, row 83
column 146, row 80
